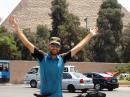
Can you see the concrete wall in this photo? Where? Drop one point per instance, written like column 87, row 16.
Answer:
column 19, row 68
column 95, row 67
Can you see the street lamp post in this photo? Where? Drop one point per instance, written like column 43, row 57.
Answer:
column 86, row 20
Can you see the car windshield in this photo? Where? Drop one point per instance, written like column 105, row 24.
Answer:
column 78, row 75
column 105, row 75
column 73, row 69
column 4, row 66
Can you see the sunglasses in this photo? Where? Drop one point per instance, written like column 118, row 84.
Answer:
column 55, row 45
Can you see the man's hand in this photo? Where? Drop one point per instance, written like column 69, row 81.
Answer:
column 20, row 34
column 94, row 31
column 13, row 23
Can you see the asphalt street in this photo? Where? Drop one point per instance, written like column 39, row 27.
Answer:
column 25, row 91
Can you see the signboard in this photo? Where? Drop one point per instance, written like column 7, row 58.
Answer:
column 6, row 7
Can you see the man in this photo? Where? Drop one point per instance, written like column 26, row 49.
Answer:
column 51, row 64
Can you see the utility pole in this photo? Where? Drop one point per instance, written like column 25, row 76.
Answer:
column 86, row 21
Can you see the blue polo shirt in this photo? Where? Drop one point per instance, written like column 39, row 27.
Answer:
column 51, row 72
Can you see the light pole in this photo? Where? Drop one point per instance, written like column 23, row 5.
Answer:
column 86, row 21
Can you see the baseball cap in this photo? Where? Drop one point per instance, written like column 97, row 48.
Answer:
column 55, row 40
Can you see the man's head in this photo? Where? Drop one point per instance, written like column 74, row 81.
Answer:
column 54, row 45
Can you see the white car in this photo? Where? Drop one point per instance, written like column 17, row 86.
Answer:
column 76, row 81
column 73, row 81
column 32, row 77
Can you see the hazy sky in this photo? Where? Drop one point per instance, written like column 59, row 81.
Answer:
column 7, row 6
column 125, row 3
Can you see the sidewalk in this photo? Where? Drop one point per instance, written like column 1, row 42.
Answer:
column 124, row 85
column 10, row 84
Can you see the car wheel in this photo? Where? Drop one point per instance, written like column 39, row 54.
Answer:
column 84, row 90
column 71, row 88
column 110, row 89
column 33, row 83
column 97, row 87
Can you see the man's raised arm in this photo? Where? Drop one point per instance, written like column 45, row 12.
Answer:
column 83, row 42
column 20, row 34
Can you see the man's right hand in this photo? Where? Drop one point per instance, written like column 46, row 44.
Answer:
column 20, row 34
column 13, row 23
column 94, row 31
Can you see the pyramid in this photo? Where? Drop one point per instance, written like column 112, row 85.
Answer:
column 30, row 13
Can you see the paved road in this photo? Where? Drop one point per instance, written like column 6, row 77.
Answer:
column 26, row 91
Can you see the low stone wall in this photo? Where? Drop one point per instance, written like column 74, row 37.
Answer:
column 18, row 68
column 95, row 66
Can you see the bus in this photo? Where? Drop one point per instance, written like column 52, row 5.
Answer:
column 4, row 71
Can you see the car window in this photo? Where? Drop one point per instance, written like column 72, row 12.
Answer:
column 78, row 75
column 89, row 75
column 33, row 70
column 105, row 75
column 67, row 76
column 97, row 76
column 65, row 69
column 73, row 69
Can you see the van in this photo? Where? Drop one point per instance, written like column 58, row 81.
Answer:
column 70, row 68
column 32, row 77
column 4, row 71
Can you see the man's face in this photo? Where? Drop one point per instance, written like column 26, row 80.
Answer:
column 54, row 48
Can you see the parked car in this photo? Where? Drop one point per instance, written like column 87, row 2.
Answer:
column 73, row 81
column 76, row 81
column 103, row 81
column 32, row 77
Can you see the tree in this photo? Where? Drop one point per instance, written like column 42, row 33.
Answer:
column 69, row 31
column 123, row 69
column 72, row 35
column 42, row 36
column 2, row 29
column 59, row 9
column 125, row 45
column 8, row 49
column 110, row 26
column 67, row 26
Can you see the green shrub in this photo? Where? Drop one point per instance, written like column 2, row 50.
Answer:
column 128, row 78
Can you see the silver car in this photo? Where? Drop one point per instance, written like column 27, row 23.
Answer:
column 76, row 81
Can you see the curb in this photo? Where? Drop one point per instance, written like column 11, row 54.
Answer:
column 10, row 84
column 124, row 85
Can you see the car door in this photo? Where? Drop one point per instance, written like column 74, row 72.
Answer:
column 32, row 74
column 67, row 78
column 97, row 78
